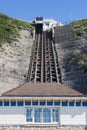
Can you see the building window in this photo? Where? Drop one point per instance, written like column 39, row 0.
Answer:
column 35, row 103
column 49, row 103
column 20, row 103
column 27, row 103
column 0, row 103
column 84, row 103
column 55, row 115
column 42, row 103
column 71, row 104
column 47, row 24
column 38, row 115
column 6, row 103
column 78, row 104
column 64, row 104
column 42, row 115
column 13, row 103
column 47, row 115
column 29, row 115
column 56, row 103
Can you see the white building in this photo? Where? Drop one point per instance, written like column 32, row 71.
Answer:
column 43, row 104
column 49, row 23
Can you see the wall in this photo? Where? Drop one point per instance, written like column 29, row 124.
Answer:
column 68, row 115
column 69, row 50
column 43, row 128
column 12, row 56
column 73, row 115
column 12, row 115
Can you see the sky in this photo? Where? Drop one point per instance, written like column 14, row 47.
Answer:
column 63, row 11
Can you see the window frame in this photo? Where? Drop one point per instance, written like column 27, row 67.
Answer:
column 44, row 123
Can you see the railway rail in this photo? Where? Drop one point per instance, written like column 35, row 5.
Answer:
column 44, row 65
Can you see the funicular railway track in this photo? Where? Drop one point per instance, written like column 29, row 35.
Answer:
column 44, row 66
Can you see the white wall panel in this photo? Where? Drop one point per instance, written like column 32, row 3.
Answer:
column 12, row 115
column 68, row 115
column 73, row 116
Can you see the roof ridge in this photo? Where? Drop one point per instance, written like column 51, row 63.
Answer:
column 12, row 89
column 44, row 89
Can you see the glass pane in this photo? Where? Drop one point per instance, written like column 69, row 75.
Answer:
column 55, row 115
column 0, row 103
column 42, row 103
column 20, row 103
column 71, row 103
column 27, row 103
column 49, row 103
column 78, row 103
column 84, row 103
column 35, row 103
column 56, row 103
column 64, row 104
column 13, row 103
column 6, row 103
column 37, row 115
column 46, row 115
column 29, row 114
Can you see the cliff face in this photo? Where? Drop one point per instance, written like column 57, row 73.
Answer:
column 14, row 61
column 72, row 56
column 71, row 47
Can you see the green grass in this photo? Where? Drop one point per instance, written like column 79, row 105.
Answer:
column 80, row 59
column 80, row 28
column 10, row 28
column 82, row 22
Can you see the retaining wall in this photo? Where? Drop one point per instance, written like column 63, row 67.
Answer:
column 43, row 127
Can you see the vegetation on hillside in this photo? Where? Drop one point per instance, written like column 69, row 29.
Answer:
column 80, row 55
column 81, row 61
column 10, row 28
column 80, row 28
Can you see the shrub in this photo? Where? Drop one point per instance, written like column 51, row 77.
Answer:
column 10, row 28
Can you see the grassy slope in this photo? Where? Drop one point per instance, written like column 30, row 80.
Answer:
column 10, row 28
column 80, row 29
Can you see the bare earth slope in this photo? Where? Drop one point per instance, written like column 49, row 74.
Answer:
column 72, row 56
column 14, row 61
